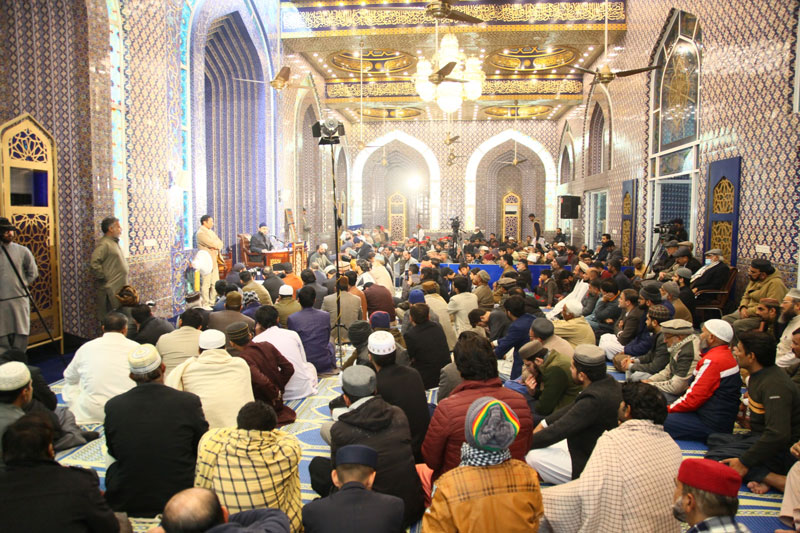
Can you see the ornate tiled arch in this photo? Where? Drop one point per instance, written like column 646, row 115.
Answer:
column 601, row 98
column 434, row 173
column 551, row 176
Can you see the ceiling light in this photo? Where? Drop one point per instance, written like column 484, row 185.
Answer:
column 315, row 54
column 586, row 54
column 506, row 51
column 591, row 48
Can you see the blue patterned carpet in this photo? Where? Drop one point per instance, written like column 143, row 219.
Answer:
column 757, row 512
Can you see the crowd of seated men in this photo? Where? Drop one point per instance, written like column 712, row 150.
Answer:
column 196, row 418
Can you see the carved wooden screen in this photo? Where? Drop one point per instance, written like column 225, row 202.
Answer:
column 397, row 217
column 722, row 212
column 512, row 205
column 29, row 196
column 628, row 244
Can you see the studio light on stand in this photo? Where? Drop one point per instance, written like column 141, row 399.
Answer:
column 328, row 132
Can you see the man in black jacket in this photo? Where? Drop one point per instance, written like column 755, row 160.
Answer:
column 711, row 276
column 152, row 431
column 355, row 506
column 41, row 495
column 426, row 345
column 272, row 283
column 259, row 242
column 581, row 424
column 684, row 258
column 150, row 328
column 401, row 386
column 368, row 419
column 644, row 366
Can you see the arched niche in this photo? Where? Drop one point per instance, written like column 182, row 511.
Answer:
column 537, row 148
column 566, row 157
column 396, row 168
column 309, row 175
column 496, row 178
column 599, row 132
column 199, row 20
column 434, row 175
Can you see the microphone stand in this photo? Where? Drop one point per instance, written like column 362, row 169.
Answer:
column 339, row 354
column 32, row 301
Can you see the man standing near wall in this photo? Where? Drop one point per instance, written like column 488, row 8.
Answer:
column 109, row 266
column 209, row 241
column 15, row 311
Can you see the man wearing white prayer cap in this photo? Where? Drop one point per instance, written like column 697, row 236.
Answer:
column 400, row 385
column 16, row 391
column 152, row 432
column 711, row 402
column 222, row 382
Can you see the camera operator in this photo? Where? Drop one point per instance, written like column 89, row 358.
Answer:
column 678, row 230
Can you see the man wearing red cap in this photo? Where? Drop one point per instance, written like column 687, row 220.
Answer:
column 706, row 497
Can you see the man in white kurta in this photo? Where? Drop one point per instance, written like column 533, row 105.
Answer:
column 303, row 382
column 15, row 311
column 629, row 481
column 99, row 371
column 222, row 382
column 461, row 304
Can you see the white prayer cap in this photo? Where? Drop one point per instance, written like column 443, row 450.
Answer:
column 720, row 329
column 574, row 307
column 144, row 359
column 13, row 376
column 381, row 343
column 212, row 338
column 285, row 290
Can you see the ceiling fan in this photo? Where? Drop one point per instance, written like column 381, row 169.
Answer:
column 516, row 161
column 438, row 10
column 448, row 140
column 279, row 82
column 604, row 74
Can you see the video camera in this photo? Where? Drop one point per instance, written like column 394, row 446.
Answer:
column 666, row 231
column 455, row 223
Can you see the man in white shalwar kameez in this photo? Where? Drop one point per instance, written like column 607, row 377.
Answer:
column 222, row 382
column 629, row 481
column 15, row 308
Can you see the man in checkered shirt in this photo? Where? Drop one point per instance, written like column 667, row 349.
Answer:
column 707, row 497
column 628, row 483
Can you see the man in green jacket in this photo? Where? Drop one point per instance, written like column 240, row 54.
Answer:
column 765, row 282
column 109, row 266
column 549, row 383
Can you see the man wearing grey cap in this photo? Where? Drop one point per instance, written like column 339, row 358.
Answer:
column 683, row 348
column 369, row 420
column 667, row 260
column 563, row 442
column 712, row 276
column 152, row 433
column 683, row 278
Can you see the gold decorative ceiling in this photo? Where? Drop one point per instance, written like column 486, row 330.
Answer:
column 527, row 49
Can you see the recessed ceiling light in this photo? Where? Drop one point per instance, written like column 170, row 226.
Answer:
column 506, row 51
column 591, row 48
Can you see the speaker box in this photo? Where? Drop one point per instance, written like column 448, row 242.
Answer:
column 569, row 206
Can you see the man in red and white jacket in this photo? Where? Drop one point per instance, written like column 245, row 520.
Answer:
column 711, row 402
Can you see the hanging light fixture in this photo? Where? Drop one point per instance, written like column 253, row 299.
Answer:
column 463, row 82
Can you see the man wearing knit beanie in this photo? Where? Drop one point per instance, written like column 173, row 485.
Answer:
column 644, row 366
column 489, row 489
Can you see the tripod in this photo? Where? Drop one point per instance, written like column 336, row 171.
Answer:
column 336, row 224
column 657, row 251
column 32, row 301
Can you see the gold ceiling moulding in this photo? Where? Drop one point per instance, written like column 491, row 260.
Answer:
column 374, row 62
column 391, row 113
column 563, row 88
column 528, row 59
column 334, row 16
column 517, row 111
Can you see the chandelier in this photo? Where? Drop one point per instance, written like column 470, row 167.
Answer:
column 468, row 75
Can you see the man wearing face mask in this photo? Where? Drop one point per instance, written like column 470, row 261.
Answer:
column 706, row 496
column 713, row 275
column 711, row 402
